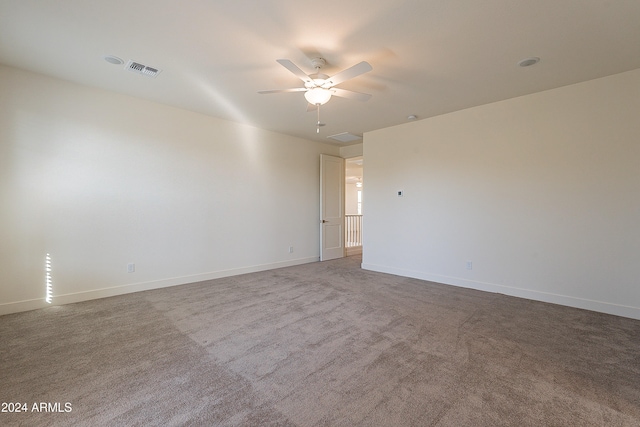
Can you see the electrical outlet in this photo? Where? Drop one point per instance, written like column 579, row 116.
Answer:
column 469, row 265
column 290, row 249
column 131, row 268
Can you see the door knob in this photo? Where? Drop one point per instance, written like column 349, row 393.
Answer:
column 324, row 220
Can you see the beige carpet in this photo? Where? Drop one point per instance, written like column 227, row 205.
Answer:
column 320, row 344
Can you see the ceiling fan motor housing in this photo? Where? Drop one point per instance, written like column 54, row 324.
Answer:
column 318, row 80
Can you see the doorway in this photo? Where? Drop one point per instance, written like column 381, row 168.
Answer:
column 354, row 191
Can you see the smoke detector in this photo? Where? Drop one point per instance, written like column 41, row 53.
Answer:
column 528, row 62
column 112, row 59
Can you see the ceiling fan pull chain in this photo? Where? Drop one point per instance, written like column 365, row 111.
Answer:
column 318, row 125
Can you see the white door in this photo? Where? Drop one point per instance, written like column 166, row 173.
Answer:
column 331, row 207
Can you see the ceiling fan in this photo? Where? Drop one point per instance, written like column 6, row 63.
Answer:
column 319, row 88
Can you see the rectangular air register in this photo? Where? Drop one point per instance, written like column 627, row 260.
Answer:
column 345, row 137
column 136, row 67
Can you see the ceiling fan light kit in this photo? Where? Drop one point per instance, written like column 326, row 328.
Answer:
column 318, row 96
column 319, row 88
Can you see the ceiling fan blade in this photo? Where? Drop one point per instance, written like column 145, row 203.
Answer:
column 295, row 89
column 295, row 70
column 343, row 93
column 349, row 73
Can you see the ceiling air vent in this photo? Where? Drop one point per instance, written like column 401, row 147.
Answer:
column 136, row 67
column 345, row 137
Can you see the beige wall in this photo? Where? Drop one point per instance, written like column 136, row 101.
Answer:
column 100, row 180
column 349, row 151
column 351, row 199
column 541, row 193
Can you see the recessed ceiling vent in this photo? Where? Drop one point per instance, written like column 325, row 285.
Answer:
column 345, row 137
column 136, row 67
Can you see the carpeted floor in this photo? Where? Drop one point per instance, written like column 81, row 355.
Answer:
column 319, row 344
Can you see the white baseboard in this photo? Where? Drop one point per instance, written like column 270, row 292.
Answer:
column 586, row 304
column 19, row 306
column 34, row 304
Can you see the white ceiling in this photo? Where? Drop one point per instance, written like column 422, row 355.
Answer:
column 429, row 57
